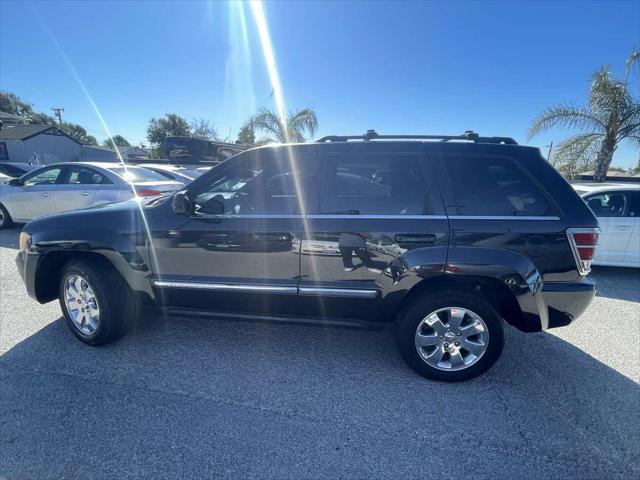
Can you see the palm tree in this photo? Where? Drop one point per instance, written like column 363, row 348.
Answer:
column 611, row 116
column 292, row 130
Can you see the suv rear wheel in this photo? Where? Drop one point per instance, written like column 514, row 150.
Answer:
column 450, row 336
column 98, row 305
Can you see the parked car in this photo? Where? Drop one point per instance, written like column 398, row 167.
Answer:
column 486, row 230
column 15, row 170
column 69, row 186
column 617, row 207
column 176, row 173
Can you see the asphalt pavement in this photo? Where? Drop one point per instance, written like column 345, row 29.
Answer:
column 200, row 398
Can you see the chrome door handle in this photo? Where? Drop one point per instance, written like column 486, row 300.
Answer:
column 623, row 227
column 85, row 194
column 415, row 238
column 45, row 194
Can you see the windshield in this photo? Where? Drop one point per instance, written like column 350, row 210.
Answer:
column 138, row 174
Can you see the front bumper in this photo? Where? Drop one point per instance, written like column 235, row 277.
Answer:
column 27, row 265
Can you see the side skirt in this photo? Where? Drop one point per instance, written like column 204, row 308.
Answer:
column 290, row 320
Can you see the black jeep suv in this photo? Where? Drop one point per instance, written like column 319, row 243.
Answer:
column 445, row 236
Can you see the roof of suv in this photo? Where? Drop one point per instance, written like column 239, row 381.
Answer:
column 469, row 136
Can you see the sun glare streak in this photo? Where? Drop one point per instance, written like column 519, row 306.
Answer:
column 274, row 77
column 93, row 104
column 270, row 59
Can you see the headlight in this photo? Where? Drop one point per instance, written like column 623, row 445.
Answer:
column 25, row 241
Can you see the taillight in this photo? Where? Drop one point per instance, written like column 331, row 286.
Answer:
column 145, row 192
column 583, row 243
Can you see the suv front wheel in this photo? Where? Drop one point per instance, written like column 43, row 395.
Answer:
column 450, row 336
column 98, row 306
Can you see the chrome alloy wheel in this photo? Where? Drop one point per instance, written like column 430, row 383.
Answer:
column 452, row 338
column 82, row 304
column 2, row 217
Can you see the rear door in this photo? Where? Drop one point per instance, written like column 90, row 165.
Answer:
column 612, row 209
column 375, row 217
column 34, row 198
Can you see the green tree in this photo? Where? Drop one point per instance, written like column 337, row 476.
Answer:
column 292, row 130
column 119, row 140
column 612, row 115
column 203, row 128
column 11, row 103
column 247, row 133
column 79, row 133
column 171, row 125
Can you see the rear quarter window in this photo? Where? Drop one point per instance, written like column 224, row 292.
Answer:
column 494, row 186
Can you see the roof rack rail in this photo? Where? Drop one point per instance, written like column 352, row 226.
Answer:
column 469, row 135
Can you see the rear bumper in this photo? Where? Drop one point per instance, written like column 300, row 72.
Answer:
column 567, row 301
column 552, row 305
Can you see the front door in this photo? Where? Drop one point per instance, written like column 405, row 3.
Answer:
column 374, row 220
column 238, row 251
column 34, row 198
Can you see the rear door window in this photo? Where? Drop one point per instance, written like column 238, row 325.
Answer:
column 81, row 175
column 494, row 186
column 377, row 184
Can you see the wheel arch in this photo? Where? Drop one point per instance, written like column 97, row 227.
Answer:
column 496, row 292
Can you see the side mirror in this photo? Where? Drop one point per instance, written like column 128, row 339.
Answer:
column 213, row 206
column 181, row 203
column 15, row 182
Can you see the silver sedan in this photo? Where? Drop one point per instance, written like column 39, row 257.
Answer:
column 69, row 186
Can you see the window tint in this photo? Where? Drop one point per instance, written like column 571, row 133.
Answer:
column 47, row 176
column 80, row 175
column 610, row 204
column 260, row 183
column 373, row 185
column 494, row 187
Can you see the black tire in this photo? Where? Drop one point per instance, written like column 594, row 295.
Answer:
column 118, row 305
column 412, row 316
column 5, row 218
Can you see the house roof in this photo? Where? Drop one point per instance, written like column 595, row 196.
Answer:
column 24, row 132
column 9, row 117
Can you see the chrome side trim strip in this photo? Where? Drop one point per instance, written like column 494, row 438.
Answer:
column 328, row 216
column 338, row 292
column 227, row 287
column 501, row 217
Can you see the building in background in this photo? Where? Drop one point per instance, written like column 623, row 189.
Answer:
column 107, row 154
column 37, row 144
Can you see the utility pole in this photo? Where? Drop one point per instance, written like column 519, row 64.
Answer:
column 549, row 153
column 58, row 113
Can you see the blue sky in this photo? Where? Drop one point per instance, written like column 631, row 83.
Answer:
column 415, row 67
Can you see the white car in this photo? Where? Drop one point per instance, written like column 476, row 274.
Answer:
column 617, row 207
column 178, row 173
column 69, row 186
